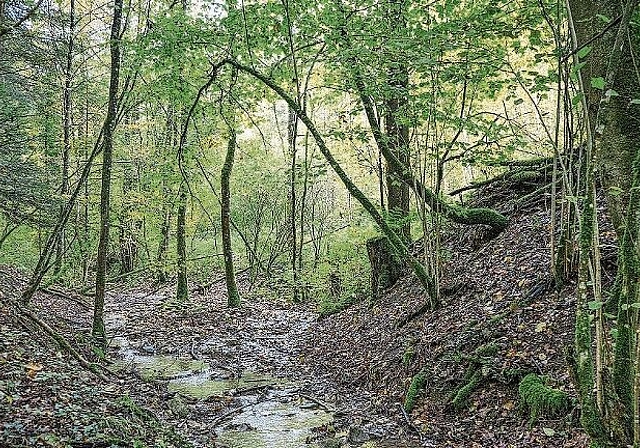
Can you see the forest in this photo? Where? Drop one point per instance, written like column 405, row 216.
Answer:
column 334, row 223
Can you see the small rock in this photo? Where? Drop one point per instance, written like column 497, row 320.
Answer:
column 148, row 348
column 243, row 426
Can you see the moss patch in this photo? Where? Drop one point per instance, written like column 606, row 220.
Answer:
column 541, row 399
column 417, row 384
column 460, row 397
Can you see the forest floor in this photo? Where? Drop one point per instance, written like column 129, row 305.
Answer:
column 274, row 374
column 201, row 375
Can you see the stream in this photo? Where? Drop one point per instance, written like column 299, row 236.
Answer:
column 267, row 411
column 242, row 406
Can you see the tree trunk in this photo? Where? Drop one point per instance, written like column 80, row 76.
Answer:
column 165, row 230
column 182, row 292
column 386, row 267
column 292, row 131
column 66, row 129
column 610, row 85
column 130, row 225
column 225, row 220
column 613, row 118
column 396, row 131
column 98, row 330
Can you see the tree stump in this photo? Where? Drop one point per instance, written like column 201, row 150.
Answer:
column 386, row 266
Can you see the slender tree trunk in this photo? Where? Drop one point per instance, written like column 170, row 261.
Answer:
column 182, row 292
column 129, row 224
column 66, row 129
column 304, row 198
column 292, row 131
column 165, row 230
column 107, row 155
column 84, row 231
column 225, row 221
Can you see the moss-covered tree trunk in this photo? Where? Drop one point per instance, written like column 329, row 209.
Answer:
column 610, row 83
column 225, row 222
column 386, row 267
column 182, row 290
column 396, row 106
column 98, row 330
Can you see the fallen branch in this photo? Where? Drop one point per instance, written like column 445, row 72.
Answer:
column 62, row 295
column 417, row 313
column 61, row 341
column 409, row 422
column 320, row 403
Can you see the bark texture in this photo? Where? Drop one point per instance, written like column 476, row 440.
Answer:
column 98, row 330
column 225, row 218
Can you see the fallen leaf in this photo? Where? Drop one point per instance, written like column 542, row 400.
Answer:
column 32, row 369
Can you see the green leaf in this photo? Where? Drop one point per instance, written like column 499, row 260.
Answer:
column 549, row 432
column 615, row 191
column 595, row 305
column 577, row 98
column 584, row 51
column 598, row 83
column 635, row 101
column 605, row 19
column 611, row 93
column 576, row 69
column 518, row 101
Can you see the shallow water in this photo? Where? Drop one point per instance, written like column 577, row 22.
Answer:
column 272, row 413
column 277, row 422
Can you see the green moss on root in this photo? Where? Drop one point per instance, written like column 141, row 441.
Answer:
column 462, row 395
column 417, row 385
column 541, row 399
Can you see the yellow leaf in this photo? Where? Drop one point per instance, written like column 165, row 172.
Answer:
column 32, row 369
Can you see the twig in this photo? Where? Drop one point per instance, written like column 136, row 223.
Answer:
column 320, row 403
column 409, row 422
column 244, row 390
column 228, row 414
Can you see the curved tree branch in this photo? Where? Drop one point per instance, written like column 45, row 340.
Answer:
column 395, row 240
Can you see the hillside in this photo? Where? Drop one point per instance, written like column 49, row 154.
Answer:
column 501, row 319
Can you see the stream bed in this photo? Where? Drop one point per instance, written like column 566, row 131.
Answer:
column 218, row 389
column 264, row 411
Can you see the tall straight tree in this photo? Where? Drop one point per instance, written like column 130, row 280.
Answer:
column 66, row 126
column 395, row 109
column 105, row 193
